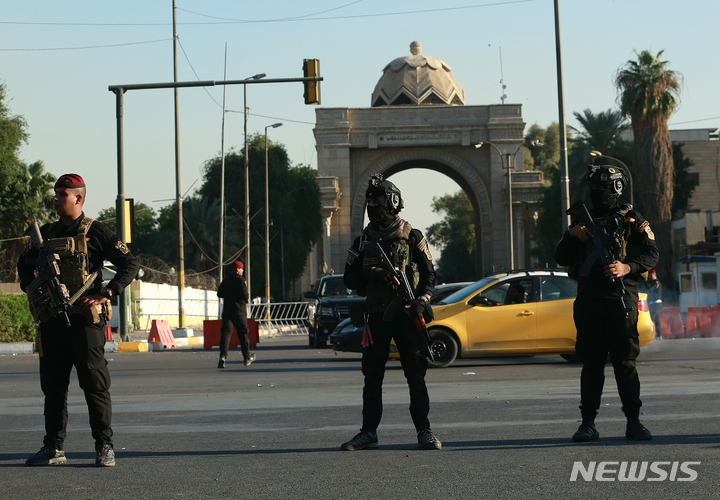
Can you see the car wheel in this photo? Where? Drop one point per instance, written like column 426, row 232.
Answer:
column 573, row 358
column 444, row 348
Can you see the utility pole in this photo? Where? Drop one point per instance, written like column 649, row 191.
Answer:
column 178, row 182
column 222, row 183
column 564, row 176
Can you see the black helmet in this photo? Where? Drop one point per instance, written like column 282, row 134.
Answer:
column 607, row 175
column 378, row 186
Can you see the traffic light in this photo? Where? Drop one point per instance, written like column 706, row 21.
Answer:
column 311, row 68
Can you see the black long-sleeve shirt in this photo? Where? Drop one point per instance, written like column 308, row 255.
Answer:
column 102, row 245
column 641, row 255
column 234, row 292
column 354, row 277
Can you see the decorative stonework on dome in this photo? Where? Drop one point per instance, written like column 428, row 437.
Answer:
column 417, row 80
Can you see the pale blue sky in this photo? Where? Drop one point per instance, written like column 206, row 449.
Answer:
column 71, row 114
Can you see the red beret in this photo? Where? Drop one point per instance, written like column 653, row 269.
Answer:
column 239, row 264
column 70, row 181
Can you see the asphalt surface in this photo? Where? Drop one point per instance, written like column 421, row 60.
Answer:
column 184, row 429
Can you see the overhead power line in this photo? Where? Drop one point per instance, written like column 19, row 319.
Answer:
column 86, row 47
column 278, row 20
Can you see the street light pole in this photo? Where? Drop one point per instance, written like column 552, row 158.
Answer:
column 247, row 182
column 222, row 186
column 598, row 154
column 510, row 166
column 564, row 172
column 267, row 223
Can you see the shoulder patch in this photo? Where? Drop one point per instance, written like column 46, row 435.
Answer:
column 645, row 227
column 121, row 246
column 423, row 247
column 352, row 255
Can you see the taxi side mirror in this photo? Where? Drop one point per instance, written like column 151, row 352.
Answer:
column 479, row 300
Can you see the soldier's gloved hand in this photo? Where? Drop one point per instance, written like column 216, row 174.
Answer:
column 416, row 307
column 379, row 274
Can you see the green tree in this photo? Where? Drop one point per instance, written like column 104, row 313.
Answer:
column 649, row 94
column 600, row 132
column 39, row 192
column 547, row 157
column 145, row 226
column 548, row 230
column 23, row 193
column 455, row 237
column 294, row 200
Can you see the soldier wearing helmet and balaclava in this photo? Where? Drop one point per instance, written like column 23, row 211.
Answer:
column 603, row 328
column 366, row 272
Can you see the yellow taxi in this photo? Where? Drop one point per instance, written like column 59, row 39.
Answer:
column 515, row 314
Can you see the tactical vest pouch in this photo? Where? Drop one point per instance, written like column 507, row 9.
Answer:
column 357, row 314
column 41, row 312
column 91, row 315
column 71, row 251
column 107, row 311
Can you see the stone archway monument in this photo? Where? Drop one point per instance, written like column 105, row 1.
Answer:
column 419, row 120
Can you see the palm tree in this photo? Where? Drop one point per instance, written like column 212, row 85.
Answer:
column 39, row 191
column 649, row 94
column 600, row 132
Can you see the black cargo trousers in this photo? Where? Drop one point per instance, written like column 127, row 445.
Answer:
column 410, row 344
column 234, row 319
column 603, row 329
column 81, row 345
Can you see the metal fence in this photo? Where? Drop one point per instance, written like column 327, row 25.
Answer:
column 285, row 318
column 281, row 318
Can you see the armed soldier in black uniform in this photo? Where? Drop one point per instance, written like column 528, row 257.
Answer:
column 367, row 272
column 605, row 310
column 71, row 332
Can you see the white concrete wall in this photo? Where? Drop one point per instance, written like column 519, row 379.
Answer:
column 160, row 301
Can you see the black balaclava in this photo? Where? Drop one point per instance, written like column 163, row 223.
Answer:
column 604, row 200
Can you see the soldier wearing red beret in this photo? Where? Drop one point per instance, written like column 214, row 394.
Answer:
column 234, row 292
column 81, row 245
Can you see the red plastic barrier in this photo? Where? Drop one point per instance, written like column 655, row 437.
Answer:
column 710, row 325
column 108, row 333
column 697, row 318
column 211, row 334
column 160, row 332
column 671, row 325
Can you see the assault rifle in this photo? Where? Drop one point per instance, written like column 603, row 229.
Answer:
column 55, row 294
column 602, row 246
column 405, row 296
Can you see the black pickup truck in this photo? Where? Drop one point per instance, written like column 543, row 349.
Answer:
column 330, row 303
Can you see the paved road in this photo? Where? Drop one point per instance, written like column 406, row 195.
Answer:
column 184, row 429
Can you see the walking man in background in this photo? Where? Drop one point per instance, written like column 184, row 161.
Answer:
column 234, row 292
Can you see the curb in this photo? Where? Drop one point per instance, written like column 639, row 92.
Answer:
column 15, row 348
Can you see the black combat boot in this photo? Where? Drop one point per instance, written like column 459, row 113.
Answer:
column 586, row 432
column 636, row 431
column 364, row 440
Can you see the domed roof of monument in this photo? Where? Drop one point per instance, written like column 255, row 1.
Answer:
column 417, row 79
